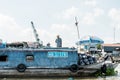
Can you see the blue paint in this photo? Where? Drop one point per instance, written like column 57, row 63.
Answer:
column 42, row 58
column 2, row 45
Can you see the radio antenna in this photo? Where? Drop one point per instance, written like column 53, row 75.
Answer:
column 76, row 23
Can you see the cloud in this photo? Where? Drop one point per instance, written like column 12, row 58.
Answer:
column 71, row 12
column 114, row 14
column 60, row 27
column 89, row 18
column 7, row 23
column 98, row 12
column 11, row 31
column 108, row 39
column 118, row 26
column 90, row 2
column 8, row 28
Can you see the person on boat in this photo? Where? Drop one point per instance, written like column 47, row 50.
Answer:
column 48, row 44
column 58, row 41
column 2, row 44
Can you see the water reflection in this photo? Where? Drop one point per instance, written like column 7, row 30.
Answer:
column 117, row 77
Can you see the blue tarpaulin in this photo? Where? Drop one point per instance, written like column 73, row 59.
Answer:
column 89, row 40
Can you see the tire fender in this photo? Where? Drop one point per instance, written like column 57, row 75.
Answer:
column 21, row 68
column 74, row 68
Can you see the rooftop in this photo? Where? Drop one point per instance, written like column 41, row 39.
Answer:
column 112, row 45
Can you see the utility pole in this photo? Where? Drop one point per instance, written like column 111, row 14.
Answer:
column 114, row 34
column 76, row 23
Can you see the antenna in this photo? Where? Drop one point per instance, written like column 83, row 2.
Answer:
column 114, row 33
column 76, row 23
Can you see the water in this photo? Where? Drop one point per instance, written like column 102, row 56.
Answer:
column 117, row 77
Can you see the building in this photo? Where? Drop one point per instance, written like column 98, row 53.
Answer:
column 109, row 48
column 90, row 43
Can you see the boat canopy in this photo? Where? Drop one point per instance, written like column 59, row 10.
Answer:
column 89, row 40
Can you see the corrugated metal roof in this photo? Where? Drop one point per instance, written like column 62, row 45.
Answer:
column 112, row 45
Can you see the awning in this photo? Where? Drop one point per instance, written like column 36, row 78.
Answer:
column 90, row 39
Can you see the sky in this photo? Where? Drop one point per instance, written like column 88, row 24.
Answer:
column 99, row 18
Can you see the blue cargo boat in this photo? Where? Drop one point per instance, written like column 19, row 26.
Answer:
column 46, row 61
column 23, row 58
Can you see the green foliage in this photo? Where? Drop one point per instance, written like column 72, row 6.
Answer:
column 109, row 72
column 98, row 73
column 99, row 46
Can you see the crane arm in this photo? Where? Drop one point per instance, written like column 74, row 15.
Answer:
column 36, row 35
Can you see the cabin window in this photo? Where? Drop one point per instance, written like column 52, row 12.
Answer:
column 3, row 58
column 29, row 58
